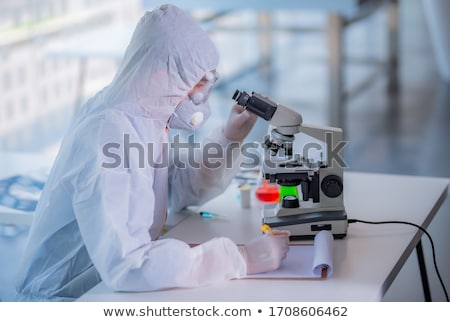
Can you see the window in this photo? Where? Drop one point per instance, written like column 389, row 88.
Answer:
column 21, row 76
column 24, row 103
column 9, row 110
column 7, row 82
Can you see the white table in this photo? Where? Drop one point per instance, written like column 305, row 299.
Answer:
column 341, row 14
column 347, row 7
column 110, row 42
column 366, row 261
column 21, row 164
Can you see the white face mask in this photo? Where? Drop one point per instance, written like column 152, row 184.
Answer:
column 189, row 116
column 191, row 113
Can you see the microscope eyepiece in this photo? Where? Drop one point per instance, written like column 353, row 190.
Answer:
column 236, row 94
column 256, row 103
column 241, row 98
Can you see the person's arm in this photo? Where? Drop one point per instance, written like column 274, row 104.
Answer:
column 114, row 208
column 117, row 239
column 201, row 174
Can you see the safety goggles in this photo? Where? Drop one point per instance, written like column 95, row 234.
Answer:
column 207, row 83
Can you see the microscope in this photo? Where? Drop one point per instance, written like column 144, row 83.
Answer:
column 311, row 198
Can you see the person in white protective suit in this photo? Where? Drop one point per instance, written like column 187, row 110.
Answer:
column 101, row 213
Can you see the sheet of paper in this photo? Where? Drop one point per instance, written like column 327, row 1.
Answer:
column 305, row 261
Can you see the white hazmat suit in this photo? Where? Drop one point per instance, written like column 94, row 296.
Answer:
column 104, row 205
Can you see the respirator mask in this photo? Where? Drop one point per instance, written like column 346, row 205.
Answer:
column 190, row 114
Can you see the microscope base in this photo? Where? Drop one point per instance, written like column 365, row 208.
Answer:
column 306, row 226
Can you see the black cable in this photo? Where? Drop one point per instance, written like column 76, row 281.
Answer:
column 351, row 221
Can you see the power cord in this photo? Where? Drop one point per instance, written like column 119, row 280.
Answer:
column 351, row 221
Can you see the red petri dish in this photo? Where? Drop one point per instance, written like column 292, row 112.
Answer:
column 268, row 193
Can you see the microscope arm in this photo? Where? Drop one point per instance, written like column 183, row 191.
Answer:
column 286, row 120
column 320, row 132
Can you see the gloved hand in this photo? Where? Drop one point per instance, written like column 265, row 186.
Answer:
column 265, row 253
column 239, row 124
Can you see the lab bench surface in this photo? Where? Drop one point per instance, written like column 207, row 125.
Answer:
column 366, row 261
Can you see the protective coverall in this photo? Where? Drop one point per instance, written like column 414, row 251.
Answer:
column 103, row 209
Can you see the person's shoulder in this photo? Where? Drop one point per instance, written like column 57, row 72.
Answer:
column 104, row 122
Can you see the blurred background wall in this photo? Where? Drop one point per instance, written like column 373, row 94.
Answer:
column 54, row 54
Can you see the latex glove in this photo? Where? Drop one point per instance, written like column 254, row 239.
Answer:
column 239, row 124
column 265, row 253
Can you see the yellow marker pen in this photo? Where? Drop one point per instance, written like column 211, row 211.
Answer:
column 266, row 229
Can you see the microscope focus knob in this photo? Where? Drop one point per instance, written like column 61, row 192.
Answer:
column 332, row 186
column 290, row 202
